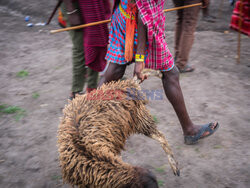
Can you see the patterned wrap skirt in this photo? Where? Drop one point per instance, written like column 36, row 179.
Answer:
column 117, row 35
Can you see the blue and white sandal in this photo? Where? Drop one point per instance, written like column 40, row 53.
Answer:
column 189, row 140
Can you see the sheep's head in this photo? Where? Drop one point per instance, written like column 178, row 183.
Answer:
column 143, row 179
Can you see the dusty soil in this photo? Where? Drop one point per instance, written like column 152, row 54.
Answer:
column 218, row 90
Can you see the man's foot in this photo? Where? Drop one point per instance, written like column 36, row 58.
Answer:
column 203, row 132
column 74, row 94
column 187, row 68
column 209, row 18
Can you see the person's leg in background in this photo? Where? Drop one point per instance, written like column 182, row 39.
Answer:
column 205, row 12
column 178, row 27
column 78, row 59
column 79, row 69
column 92, row 80
column 188, row 17
column 206, row 16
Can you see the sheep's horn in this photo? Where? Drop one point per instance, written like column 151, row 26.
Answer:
column 164, row 144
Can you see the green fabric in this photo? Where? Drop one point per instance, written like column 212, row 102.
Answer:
column 80, row 71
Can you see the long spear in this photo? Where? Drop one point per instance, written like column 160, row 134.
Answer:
column 107, row 21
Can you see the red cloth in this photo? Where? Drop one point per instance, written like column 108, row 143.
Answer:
column 95, row 38
column 152, row 15
column 158, row 56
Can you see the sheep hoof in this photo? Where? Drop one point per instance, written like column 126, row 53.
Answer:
column 177, row 173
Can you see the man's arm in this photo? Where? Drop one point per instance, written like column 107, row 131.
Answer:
column 73, row 13
column 142, row 37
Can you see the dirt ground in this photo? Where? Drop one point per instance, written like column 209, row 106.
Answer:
column 35, row 82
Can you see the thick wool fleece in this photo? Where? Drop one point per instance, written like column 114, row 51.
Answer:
column 93, row 131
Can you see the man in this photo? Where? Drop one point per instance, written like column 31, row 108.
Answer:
column 149, row 42
column 89, row 44
column 184, row 32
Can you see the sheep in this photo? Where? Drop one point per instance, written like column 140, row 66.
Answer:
column 93, row 131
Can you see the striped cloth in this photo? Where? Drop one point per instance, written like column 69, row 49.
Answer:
column 95, row 38
column 117, row 35
column 158, row 56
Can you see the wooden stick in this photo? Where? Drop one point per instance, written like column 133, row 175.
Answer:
column 182, row 7
column 107, row 21
column 239, row 31
column 80, row 26
column 54, row 11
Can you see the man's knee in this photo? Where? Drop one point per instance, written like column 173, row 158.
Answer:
column 118, row 72
column 114, row 72
column 172, row 75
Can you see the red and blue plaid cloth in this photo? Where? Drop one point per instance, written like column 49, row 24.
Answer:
column 117, row 35
column 151, row 11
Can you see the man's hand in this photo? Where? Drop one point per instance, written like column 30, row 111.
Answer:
column 75, row 19
column 205, row 3
column 139, row 66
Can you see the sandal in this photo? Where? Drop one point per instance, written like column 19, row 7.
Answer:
column 74, row 94
column 187, row 68
column 189, row 140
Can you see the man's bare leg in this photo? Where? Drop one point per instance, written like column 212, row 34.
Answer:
column 174, row 94
column 113, row 73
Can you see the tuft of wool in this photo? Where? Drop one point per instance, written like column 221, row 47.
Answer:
column 93, row 131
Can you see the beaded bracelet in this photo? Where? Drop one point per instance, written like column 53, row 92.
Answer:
column 139, row 58
column 72, row 12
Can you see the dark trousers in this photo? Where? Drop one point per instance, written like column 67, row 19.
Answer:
column 184, row 31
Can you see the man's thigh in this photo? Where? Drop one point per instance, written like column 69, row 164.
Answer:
column 115, row 71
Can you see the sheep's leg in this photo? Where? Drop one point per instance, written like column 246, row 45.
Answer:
column 151, row 72
column 158, row 136
column 148, row 73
